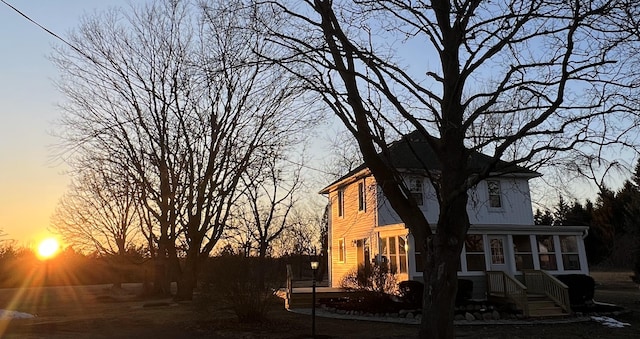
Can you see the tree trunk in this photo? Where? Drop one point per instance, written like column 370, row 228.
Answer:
column 439, row 295
column 189, row 276
column 161, row 286
column 443, row 257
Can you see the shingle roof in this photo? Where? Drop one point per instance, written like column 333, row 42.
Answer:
column 413, row 152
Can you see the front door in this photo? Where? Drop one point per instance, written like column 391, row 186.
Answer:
column 363, row 258
column 498, row 252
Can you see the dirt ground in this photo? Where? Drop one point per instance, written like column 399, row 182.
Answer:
column 99, row 312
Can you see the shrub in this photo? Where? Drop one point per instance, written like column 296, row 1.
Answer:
column 581, row 287
column 375, row 278
column 246, row 284
column 411, row 292
column 465, row 290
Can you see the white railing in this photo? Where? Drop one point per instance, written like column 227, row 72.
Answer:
column 503, row 285
column 289, row 284
column 542, row 282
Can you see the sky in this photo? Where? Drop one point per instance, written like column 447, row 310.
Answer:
column 30, row 181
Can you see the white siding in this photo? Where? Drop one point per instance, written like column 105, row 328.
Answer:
column 515, row 197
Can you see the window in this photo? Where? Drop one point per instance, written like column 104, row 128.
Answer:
column 569, row 249
column 402, row 254
column 495, row 198
column 415, row 187
column 393, row 249
column 342, row 250
column 522, row 252
column 497, row 252
column 341, row 202
column 474, row 247
column 362, row 197
column 546, row 252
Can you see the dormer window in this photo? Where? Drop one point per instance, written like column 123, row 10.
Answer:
column 416, row 189
column 495, row 196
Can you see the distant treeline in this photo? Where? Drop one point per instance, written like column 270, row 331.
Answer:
column 20, row 267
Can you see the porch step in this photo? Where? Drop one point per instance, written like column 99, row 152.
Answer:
column 300, row 300
column 544, row 308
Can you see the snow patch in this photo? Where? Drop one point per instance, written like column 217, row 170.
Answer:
column 609, row 322
column 6, row 314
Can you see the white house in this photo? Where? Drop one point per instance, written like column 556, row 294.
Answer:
column 502, row 237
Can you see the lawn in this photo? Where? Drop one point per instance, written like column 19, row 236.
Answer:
column 99, row 312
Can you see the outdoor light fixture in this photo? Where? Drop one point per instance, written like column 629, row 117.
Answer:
column 314, row 266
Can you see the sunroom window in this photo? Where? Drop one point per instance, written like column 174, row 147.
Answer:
column 393, row 248
column 474, row 248
column 522, row 252
column 570, row 256
column 546, row 252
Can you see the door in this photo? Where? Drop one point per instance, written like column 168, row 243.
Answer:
column 363, row 258
column 498, row 252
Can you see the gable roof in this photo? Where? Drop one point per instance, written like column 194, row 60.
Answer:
column 413, row 153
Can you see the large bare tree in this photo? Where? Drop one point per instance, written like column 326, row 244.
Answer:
column 533, row 83
column 173, row 92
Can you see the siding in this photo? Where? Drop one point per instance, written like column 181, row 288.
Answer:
column 515, row 196
column 353, row 225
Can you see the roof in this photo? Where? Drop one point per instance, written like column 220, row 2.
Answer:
column 413, row 153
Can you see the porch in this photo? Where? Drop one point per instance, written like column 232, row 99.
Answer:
column 539, row 295
column 299, row 293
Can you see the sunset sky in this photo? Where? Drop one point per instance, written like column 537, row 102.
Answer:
column 30, row 182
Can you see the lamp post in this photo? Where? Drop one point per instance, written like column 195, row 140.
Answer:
column 314, row 267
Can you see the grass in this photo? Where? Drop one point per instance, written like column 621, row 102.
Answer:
column 95, row 312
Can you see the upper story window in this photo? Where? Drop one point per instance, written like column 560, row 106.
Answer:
column 495, row 194
column 341, row 202
column 362, row 197
column 416, row 189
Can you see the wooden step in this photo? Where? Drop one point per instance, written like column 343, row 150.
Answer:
column 545, row 308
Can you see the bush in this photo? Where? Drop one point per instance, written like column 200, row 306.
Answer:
column 375, row 278
column 581, row 287
column 411, row 292
column 465, row 290
column 246, row 284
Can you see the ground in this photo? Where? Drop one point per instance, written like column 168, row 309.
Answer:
column 100, row 312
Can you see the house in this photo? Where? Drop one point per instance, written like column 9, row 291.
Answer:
column 502, row 237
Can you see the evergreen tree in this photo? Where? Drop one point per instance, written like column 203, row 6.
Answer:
column 541, row 218
column 561, row 212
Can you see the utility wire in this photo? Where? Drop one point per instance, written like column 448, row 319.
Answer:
column 48, row 31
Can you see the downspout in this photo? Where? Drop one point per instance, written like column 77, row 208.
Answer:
column 585, row 233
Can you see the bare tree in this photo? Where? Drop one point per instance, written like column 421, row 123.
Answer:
column 99, row 214
column 533, row 83
column 265, row 208
column 173, row 92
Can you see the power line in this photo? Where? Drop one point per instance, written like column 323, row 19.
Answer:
column 48, row 30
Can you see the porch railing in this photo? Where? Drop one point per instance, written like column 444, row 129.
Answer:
column 289, row 283
column 541, row 282
column 503, row 285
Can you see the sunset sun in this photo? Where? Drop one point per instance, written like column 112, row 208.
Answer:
column 48, row 248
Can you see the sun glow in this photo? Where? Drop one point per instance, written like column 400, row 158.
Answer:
column 48, row 248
